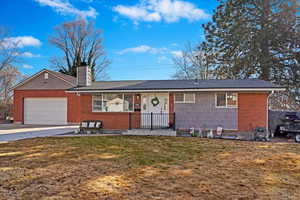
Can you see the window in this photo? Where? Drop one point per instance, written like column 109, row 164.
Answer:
column 221, row 100
column 97, row 103
column 128, row 102
column 231, row 99
column 113, row 103
column 226, row 100
column 189, row 98
column 184, row 98
column 179, row 97
column 46, row 75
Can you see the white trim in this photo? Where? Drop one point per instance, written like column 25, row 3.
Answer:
column 226, row 106
column 36, row 75
column 267, row 122
column 28, row 79
column 183, row 90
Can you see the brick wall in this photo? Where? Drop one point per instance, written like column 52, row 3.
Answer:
column 79, row 108
column 252, row 110
column 111, row 120
column 19, row 96
column 171, row 108
column 73, row 108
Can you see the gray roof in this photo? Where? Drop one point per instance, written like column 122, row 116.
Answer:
column 71, row 79
column 66, row 77
column 177, row 85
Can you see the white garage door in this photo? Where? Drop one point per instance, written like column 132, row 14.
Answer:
column 50, row 111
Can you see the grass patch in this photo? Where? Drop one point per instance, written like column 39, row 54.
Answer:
column 129, row 167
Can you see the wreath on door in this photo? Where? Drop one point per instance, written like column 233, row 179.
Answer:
column 155, row 101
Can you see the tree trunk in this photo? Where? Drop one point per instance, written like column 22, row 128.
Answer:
column 265, row 52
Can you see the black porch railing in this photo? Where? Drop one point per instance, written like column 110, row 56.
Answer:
column 152, row 120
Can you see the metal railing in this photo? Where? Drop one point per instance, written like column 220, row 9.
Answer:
column 152, row 120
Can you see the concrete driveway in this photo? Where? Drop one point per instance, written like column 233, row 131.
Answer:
column 12, row 132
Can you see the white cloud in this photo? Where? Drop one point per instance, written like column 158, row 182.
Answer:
column 25, row 66
column 137, row 13
column 21, row 41
column 158, row 10
column 176, row 53
column 162, row 58
column 143, row 49
column 88, row 1
column 30, row 55
column 64, row 7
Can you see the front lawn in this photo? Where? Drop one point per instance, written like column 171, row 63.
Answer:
column 121, row 167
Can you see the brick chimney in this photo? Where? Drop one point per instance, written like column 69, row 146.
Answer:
column 84, row 76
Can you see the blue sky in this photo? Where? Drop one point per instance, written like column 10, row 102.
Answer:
column 140, row 36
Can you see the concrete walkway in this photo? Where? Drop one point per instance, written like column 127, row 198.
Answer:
column 11, row 134
column 147, row 132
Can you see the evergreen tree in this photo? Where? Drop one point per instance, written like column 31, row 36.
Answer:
column 256, row 39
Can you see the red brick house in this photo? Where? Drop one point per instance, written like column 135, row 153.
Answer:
column 50, row 97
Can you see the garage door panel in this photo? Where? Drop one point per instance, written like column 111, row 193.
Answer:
column 45, row 111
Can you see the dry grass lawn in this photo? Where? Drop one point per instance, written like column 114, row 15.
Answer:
column 121, row 167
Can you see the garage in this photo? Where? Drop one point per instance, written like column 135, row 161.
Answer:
column 48, row 111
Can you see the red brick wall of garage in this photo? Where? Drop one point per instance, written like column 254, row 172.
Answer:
column 73, row 114
column 73, row 108
column 252, row 110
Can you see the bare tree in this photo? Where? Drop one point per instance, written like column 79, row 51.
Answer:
column 79, row 42
column 9, row 50
column 283, row 100
column 9, row 76
column 192, row 63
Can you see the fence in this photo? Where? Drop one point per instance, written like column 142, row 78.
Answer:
column 152, row 120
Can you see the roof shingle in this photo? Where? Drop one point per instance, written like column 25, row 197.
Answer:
column 177, row 84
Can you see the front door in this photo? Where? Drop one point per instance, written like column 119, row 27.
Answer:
column 158, row 105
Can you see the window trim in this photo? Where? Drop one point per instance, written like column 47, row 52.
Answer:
column 184, row 101
column 98, row 111
column 226, row 94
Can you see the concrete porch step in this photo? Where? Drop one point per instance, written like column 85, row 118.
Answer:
column 145, row 132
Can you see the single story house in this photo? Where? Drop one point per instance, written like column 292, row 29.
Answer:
column 50, row 97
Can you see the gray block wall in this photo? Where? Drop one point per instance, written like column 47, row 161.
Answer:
column 204, row 114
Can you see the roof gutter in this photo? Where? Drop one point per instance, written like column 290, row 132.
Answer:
column 182, row 90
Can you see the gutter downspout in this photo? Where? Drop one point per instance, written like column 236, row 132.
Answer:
column 272, row 92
